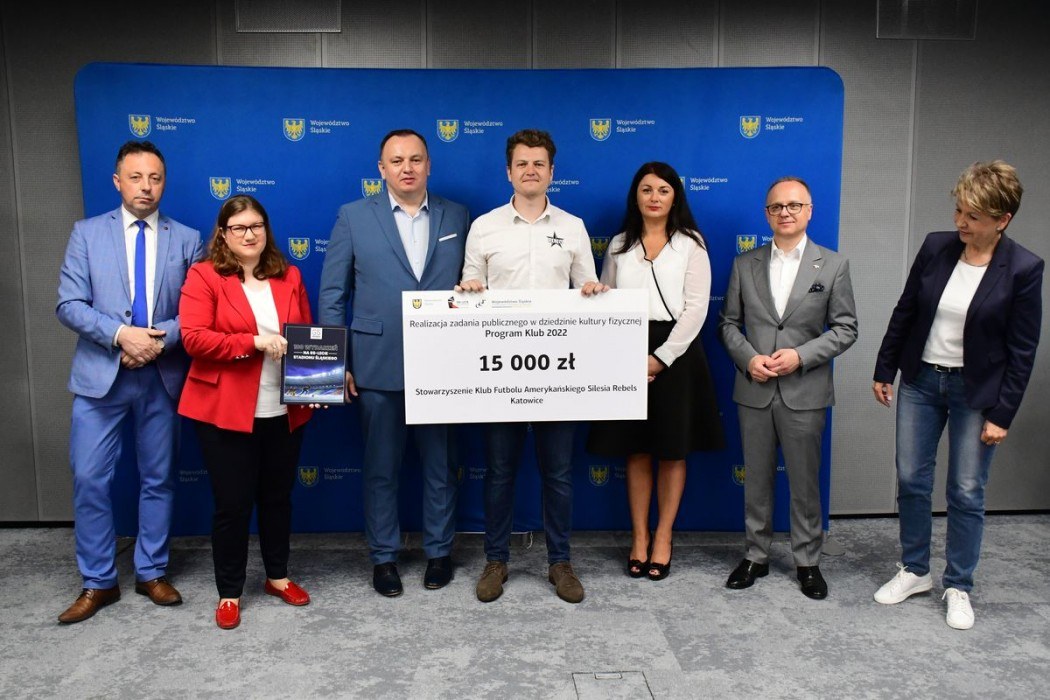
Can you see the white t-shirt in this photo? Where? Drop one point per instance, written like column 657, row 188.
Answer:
column 944, row 344
column 269, row 403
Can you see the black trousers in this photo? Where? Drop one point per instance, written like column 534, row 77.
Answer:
column 249, row 470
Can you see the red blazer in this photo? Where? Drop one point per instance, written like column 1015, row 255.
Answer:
column 218, row 330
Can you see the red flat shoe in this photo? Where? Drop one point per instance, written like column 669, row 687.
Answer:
column 228, row 615
column 292, row 594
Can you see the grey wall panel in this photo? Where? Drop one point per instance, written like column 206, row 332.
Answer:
column 388, row 34
column 43, row 132
column 980, row 100
column 972, row 100
column 873, row 232
column 765, row 33
column 268, row 16
column 683, row 34
column 251, row 49
column 18, row 497
column 479, row 34
column 574, row 34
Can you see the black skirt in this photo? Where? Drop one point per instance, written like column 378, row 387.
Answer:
column 683, row 411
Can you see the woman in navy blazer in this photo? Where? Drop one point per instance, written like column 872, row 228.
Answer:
column 233, row 307
column 963, row 336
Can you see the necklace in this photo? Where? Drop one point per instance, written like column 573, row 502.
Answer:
column 967, row 260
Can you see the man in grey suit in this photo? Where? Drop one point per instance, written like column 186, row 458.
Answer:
column 788, row 312
column 405, row 239
column 119, row 291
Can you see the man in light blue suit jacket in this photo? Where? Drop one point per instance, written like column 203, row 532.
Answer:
column 119, row 291
column 403, row 239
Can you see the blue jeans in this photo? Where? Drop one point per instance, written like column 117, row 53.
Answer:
column 504, row 443
column 923, row 407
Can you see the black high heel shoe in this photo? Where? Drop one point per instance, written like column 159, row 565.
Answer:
column 662, row 570
column 638, row 569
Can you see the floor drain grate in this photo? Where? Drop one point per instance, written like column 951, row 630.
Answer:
column 611, row 685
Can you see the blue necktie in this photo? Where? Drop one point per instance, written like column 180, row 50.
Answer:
column 139, row 313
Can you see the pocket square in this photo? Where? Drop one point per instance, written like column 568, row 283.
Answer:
column 445, row 238
column 817, row 287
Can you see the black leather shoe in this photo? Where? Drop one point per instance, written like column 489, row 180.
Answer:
column 813, row 584
column 386, row 580
column 745, row 573
column 439, row 573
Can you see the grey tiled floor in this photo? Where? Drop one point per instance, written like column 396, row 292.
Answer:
column 685, row 637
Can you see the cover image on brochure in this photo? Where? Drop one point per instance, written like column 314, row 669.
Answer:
column 314, row 370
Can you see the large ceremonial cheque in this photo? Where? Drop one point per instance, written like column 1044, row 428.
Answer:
column 524, row 355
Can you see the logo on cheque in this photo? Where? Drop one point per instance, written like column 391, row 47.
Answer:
column 139, row 124
column 294, row 129
column 750, row 125
column 220, row 187
column 601, row 129
column 448, row 129
column 299, row 248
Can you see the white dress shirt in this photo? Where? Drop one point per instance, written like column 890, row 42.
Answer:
column 414, row 232
column 683, row 271
column 131, row 232
column 505, row 251
column 783, row 269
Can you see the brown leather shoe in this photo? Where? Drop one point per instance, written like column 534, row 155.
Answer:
column 566, row 584
column 490, row 585
column 159, row 591
column 90, row 601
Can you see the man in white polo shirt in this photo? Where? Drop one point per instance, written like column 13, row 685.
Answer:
column 529, row 243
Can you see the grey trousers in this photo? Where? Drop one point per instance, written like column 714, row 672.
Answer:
column 798, row 433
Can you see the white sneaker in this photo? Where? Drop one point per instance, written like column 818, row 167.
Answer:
column 960, row 614
column 901, row 586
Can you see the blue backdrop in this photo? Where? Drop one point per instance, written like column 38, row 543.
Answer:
column 304, row 141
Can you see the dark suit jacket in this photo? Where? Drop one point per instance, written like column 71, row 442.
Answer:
column 366, row 263
column 1001, row 329
column 218, row 331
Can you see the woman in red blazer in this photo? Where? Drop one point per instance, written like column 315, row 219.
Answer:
column 233, row 307
column 963, row 337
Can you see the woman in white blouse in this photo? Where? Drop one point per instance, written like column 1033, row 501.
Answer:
column 661, row 249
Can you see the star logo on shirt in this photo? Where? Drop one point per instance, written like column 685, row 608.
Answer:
column 555, row 241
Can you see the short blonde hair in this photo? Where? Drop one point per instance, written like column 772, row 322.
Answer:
column 991, row 188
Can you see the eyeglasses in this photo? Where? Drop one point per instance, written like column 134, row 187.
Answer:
column 792, row 208
column 239, row 231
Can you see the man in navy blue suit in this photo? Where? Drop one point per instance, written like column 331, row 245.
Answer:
column 406, row 238
column 119, row 291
